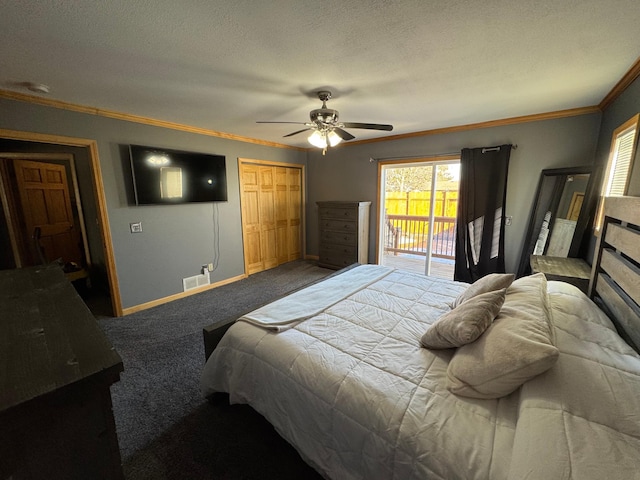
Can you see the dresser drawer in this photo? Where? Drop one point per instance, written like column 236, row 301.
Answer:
column 340, row 238
column 338, row 225
column 336, row 212
column 351, row 250
column 336, row 260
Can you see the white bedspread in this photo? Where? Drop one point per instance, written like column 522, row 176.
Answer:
column 354, row 392
column 286, row 312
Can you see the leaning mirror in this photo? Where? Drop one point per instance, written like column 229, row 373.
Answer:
column 561, row 213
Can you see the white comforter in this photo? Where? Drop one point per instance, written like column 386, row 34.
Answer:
column 354, row 392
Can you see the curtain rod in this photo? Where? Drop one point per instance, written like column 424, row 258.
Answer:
column 484, row 150
column 413, row 157
column 497, row 149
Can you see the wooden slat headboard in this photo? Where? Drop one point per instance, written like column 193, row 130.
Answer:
column 615, row 275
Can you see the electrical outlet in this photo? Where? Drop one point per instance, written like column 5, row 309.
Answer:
column 508, row 220
column 136, row 227
column 210, row 267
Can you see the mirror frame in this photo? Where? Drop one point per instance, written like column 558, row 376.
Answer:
column 585, row 219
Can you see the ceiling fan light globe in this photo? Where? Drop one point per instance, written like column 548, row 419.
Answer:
column 317, row 139
column 334, row 138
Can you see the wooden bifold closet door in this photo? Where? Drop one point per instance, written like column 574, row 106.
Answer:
column 271, row 198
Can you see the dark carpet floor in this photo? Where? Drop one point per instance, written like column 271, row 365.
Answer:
column 166, row 429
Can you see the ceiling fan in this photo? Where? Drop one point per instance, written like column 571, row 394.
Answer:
column 327, row 130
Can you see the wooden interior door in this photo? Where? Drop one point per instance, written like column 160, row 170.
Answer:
column 268, row 233
column 282, row 215
column 249, row 183
column 271, row 199
column 294, row 214
column 46, row 204
column 576, row 205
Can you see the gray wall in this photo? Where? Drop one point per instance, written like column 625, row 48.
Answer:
column 622, row 109
column 176, row 240
column 345, row 173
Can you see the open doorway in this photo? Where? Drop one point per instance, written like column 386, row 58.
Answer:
column 45, row 215
column 418, row 204
column 85, row 246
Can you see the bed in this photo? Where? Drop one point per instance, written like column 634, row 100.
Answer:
column 548, row 387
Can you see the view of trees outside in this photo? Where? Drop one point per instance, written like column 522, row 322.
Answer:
column 408, row 205
column 418, row 179
column 408, row 190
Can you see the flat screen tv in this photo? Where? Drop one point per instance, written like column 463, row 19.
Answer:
column 165, row 177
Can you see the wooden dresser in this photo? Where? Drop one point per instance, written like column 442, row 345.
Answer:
column 56, row 367
column 344, row 233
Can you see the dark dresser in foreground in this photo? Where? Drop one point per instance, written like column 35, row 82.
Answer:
column 344, row 233
column 56, row 369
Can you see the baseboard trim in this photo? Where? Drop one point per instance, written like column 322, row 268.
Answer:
column 177, row 296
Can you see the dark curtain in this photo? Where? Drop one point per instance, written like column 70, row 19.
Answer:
column 481, row 207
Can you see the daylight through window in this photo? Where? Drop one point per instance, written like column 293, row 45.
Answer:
column 616, row 179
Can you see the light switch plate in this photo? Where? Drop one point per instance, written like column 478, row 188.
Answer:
column 136, row 227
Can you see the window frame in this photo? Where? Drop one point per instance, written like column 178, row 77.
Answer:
column 630, row 124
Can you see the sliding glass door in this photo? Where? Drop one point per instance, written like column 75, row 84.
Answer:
column 417, row 205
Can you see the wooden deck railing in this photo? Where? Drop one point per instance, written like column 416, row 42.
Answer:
column 409, row 234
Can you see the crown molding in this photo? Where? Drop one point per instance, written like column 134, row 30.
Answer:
column 573, row 112
column 21, row 97
column 622, row 85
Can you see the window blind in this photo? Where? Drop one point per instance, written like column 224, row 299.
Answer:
column 619, row 166
column 619, row 172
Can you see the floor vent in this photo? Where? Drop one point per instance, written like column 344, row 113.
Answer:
column 196, row 281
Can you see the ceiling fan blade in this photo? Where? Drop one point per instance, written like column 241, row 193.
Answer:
column 369, row 126
column 297, row 132
column 343, row 134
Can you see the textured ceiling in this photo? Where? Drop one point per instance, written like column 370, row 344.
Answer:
column 417, row 64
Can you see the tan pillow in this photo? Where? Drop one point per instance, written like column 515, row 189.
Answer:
column 488, row 283
column 515, row 348
column 465, row 323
